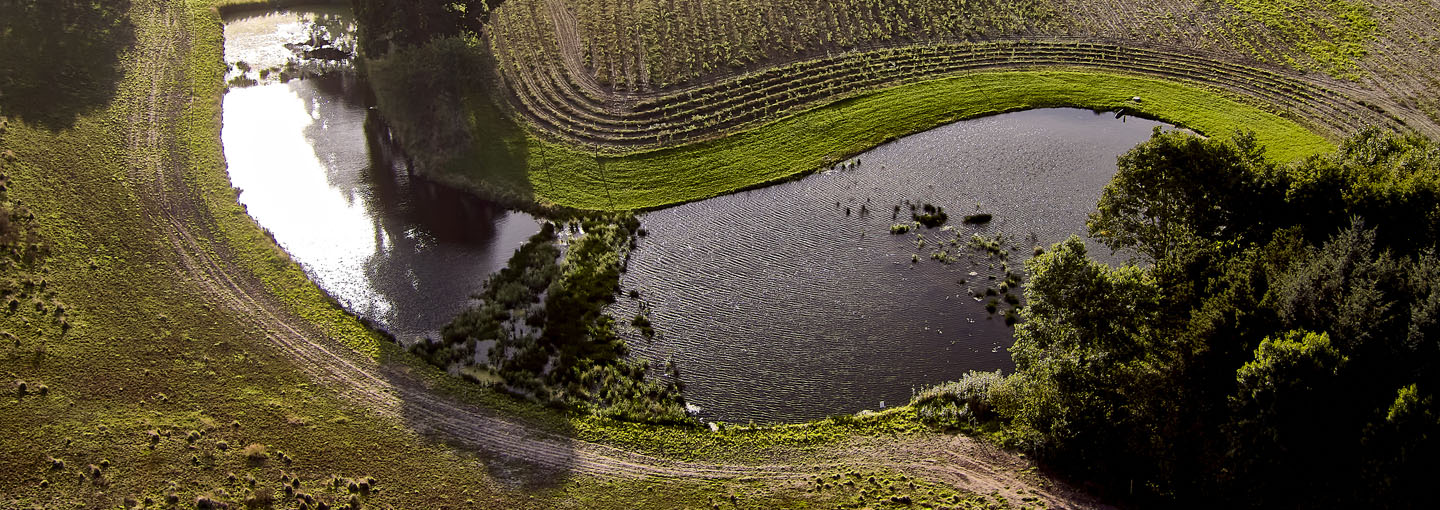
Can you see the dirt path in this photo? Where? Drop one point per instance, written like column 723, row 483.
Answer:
column 157, row 166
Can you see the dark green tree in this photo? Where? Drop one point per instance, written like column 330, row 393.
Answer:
column 1088, row 363
column 1178, row 186
column 386, row 25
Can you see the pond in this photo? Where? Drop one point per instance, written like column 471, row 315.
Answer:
column 399, row 250
column 785, row 303
column 779, row 305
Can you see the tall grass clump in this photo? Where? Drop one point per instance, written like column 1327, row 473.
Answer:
column 962, row 404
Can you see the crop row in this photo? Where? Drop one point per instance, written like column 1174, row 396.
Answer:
column 551, row 101
column 640, row 45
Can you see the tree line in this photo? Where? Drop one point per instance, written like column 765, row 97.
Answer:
column 1277, row 345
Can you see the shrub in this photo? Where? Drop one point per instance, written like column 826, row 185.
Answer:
column 963, row 403
column 205, row 503
column 255, row 453
column 261, row 498
column 643, row 324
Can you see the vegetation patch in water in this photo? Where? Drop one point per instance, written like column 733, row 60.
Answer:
column 991, row 246
column 977, row 219
column 552, row 340
column 929, row 215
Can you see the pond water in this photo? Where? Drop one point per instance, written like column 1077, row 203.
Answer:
column 396, row 249
column 777, row 305
column 786, row 303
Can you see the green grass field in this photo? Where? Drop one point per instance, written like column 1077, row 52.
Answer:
column 561, row 175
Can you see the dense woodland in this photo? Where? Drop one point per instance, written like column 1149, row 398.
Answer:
column 1278, row 348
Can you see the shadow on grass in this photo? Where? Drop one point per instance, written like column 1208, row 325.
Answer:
column 429, row 228
column 523, row 447
column 59, row 59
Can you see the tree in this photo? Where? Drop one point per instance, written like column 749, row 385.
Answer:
column 1401, row 450
column 1344, row 287
column 1177, row 186
column 1390, row 180
column 1285, row 435
column 391, row 24
column 1087, row 363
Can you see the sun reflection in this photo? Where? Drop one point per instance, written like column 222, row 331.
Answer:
column 322, row 226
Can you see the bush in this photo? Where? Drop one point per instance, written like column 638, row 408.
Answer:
column 959, row 404
column 255, row 453
column 261, row 498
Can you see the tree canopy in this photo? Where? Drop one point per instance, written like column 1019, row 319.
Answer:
column 1281, row 347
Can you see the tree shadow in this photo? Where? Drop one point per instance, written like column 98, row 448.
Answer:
column 435, row 245
column 59, row 59
column 437, row 241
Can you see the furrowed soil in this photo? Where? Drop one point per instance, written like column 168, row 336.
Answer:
column 672, row 89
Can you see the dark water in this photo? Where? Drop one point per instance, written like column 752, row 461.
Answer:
column 777, row 306
column 400, row 250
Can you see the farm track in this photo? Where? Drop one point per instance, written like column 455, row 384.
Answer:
column 158, row 163
column 549, row 98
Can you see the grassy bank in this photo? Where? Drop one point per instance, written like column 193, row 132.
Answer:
column 561, row 175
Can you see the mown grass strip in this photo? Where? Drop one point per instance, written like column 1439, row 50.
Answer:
column 569, row 176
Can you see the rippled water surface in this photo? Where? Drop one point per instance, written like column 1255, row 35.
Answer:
column 785, row 303
column 402, row 251
column 778, row 306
